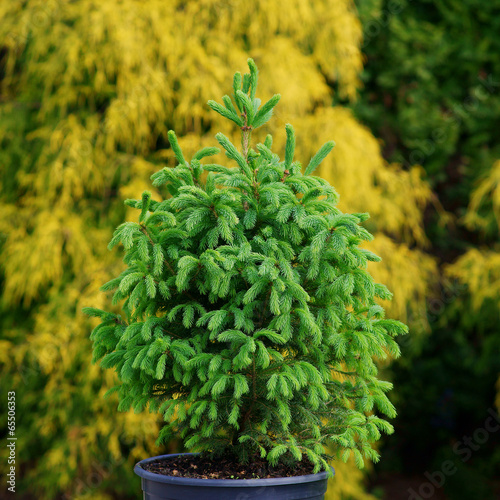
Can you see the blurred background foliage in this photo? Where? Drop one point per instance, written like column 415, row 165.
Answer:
column 432, row 95
column 409, row 91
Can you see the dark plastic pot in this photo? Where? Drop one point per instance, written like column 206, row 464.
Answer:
column 159, row 487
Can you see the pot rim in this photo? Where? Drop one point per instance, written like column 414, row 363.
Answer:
column 230, row 483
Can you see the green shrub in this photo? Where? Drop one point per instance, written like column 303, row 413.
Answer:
column 250, row 321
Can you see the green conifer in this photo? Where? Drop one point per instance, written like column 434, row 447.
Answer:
column 249, row 318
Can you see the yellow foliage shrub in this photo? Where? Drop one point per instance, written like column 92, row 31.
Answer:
column 88, row 93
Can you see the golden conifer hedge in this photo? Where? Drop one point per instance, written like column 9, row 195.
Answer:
column 87, row 92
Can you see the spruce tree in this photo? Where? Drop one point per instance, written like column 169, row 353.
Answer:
column 249, row 319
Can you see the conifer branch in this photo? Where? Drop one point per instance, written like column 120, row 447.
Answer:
column 262, row 318
column 246, row 132
column 354, row 374
column 248, row 413
column 144, row 230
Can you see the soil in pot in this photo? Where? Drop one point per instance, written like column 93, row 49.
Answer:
column 201, row 467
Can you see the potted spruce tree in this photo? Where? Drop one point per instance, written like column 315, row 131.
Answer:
column 250, row 322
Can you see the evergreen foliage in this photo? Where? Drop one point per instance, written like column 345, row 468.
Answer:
column 432, row 93
column 88, row 91
column 249, row 319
